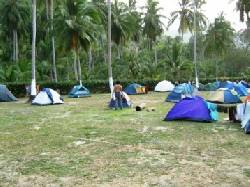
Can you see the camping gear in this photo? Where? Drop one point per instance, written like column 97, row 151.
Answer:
column 224, row 95
column 181, row 91
column 193, row 109
column 47, row 97
column 134, row 89
column 140, row 107
column 243, row 115
column 126, row 102
column 164, row 86
column 79, row 91
column 6, row 95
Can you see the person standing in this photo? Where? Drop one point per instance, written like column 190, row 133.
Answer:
column 118, row 95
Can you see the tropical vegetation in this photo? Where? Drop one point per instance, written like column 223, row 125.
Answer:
column 70, row 41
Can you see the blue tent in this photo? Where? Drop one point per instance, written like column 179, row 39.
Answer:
column 244, row 83
column 212, row 86
column 180, row 91
column 134, row 89
column 239, row 88
column 6, row 95
column 194, row 109
column 79, row 91
column 226, row 96
column 226, row 84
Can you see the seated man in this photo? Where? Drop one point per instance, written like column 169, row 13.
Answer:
column 118, row 95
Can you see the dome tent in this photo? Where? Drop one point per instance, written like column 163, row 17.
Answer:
column 6, row 95
column 47, row 97
column 193, row 109
column 126, row 102
column 79, row 91
column 134, row 89
column 244, row 83
column 239, row 88
column 164, row 86
column 181, row 91
column 226, row 96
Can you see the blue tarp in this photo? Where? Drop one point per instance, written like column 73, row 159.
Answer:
column 194, row 109
column 79, row 91
column 180, row 91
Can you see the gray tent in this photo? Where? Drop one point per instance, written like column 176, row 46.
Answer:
column 6, row 95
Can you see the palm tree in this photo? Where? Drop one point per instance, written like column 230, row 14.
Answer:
column 51, row 10
column 186, row 17
column 244, row 7
column 15, row 15
column 219, row 38
column 122, row 24
column 79, row 24
column 48, row 5
column 153, row 27
column 191, row 19
column 110, row 48
column 33, row 82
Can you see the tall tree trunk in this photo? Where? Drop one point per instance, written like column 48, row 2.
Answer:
column 16, row 46
column 79, row 68
column 13, row 46
column 75, row 65
column 109, row 49
column 33, row 82
column 68, row 69
column 51, row 5
column 119, row 51
column 156, row 56
column 90, row 59
column 47, row 9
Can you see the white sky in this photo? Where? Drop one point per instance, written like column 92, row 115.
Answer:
column 212, row 9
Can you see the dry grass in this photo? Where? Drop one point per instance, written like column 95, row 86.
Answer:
column 83, row 143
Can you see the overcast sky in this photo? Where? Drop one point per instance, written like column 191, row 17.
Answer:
column 212, row 9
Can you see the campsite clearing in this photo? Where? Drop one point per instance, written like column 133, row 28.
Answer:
column 83, row 143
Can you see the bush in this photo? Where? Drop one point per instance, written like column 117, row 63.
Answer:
column 96, row 86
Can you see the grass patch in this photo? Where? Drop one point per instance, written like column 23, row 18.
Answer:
column 83, row 143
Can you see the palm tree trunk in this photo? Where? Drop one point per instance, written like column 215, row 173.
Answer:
column 109, row 49
column 13, row 46
column 33, row 82
column 75, row 65
column 79, row 68
column 90, row 59
column 156, row 56
column 16, row 45
column 51, row 3
column 47, row 9
column 119, row 51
